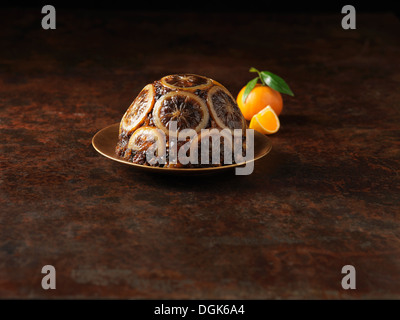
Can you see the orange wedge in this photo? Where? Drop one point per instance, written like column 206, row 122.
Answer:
column 266, row 121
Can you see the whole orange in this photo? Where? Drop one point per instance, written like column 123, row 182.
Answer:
column 258, row 98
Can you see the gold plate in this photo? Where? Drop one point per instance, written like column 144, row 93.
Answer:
column 106, row 140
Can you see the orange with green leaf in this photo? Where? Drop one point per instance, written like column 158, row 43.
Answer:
column 255, row 96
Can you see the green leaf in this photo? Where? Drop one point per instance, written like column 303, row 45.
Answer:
column 252, row 69
column 276, row 82
column 249, row 86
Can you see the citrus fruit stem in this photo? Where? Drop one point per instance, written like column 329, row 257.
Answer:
column 252, row 69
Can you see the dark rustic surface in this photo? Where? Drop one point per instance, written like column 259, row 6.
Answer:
column 326, row 196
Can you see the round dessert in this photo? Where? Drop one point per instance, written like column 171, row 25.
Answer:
column 166, row 125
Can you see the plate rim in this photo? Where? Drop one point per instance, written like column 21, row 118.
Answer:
column 233, row 165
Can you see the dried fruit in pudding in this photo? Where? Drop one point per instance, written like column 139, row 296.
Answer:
column 171, row 113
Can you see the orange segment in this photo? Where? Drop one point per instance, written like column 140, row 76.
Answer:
column 266, row 121
column 187, row 109
column 224, row 110
column 138, row 110
column 190, row 82
column 144, row 137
